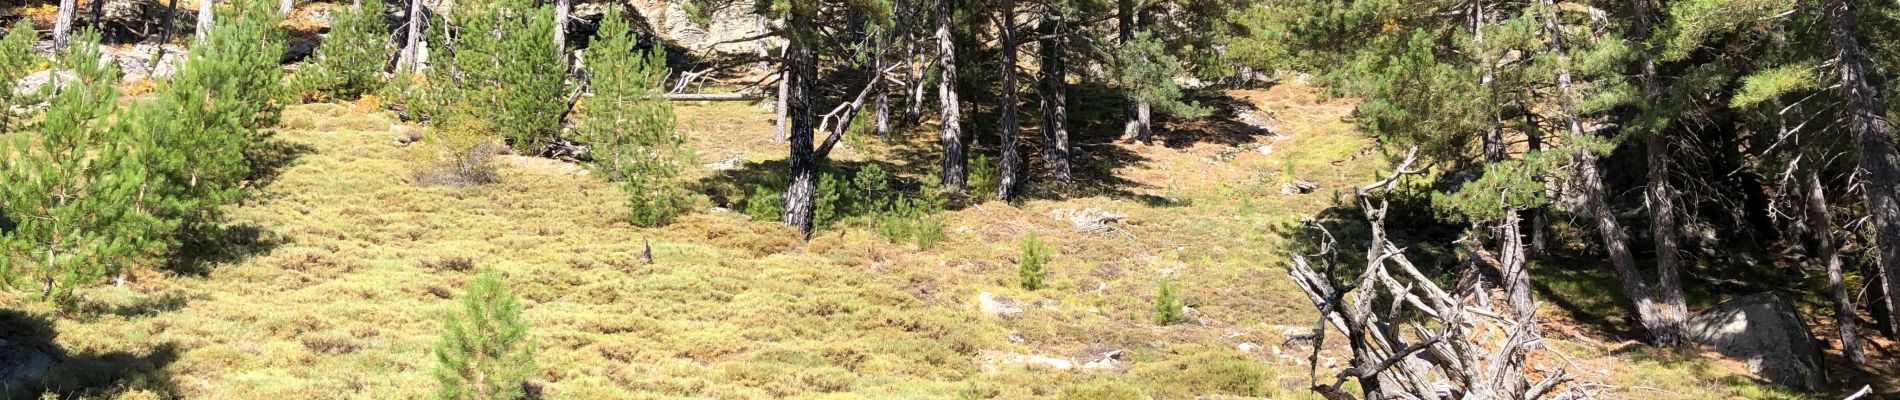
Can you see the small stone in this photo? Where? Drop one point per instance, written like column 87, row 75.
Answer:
column 996, row 306
column 1247, row 347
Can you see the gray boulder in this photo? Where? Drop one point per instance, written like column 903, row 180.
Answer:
column 22, row 365
column 1764, row 331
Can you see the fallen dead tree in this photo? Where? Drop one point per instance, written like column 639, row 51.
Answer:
column 1411, row 338
column 715, row 96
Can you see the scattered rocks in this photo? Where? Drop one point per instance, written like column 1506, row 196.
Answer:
column 994, row 361
column 1092, row 220
column 135, row 63
column 728, row 164
column 1298, row 186
column 1247, row 347
column 1764, row 331
column 1112, row 359
column 406, row 134
column 997, row 306
column 36, row 81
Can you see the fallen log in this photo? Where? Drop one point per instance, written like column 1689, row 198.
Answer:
column 715, row 96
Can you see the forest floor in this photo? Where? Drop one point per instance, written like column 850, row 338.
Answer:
column 333, row 279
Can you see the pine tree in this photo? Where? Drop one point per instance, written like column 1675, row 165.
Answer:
column 69, row 183
column 485, row 352
column 16, row 61
column 629, row 124
column 349, row 62
column 503, row 63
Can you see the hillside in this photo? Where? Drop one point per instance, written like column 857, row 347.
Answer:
column 333, row 277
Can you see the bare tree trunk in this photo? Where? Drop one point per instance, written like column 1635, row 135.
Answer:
column 285, row 6
column 1674, row 311
column 1539, row 217
column 955, row 176
column 1878, row 160
column 98, row 15
column 1054, row 93
column 63, row 23
column 881, row 114
column 412, row 49
column 204, row 19
column 799, row 71
column 1134, row 122
column 1589, row 181
column 560, row 27
column 1012, row 162
column 1821, row 221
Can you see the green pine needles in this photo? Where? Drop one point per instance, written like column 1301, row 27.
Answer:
column 16, row 61
column 72, row 182
column 485, row 351
column 1030, row 265
column 349, row 62
column 629, row 125
column 1168, row 304
column 1147, row 74
column 504, row 61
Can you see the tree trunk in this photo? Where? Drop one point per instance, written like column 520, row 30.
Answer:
column 1589, row 182
column 799, row 71
column 98, row 15
column 63, row 23
column 1054, row 93
column 1539, row 217
column 560, row 27
column 285, row 6
column 955, row 177
column 412, row 50
column 1878, row 160
column 1821, row 221
column 204, row 19
column 1674, row 311
column 881, row 115
column 1011, row 160
column 1133, row 124
column 1517, row 279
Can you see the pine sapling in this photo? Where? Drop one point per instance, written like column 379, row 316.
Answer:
column 485, row 352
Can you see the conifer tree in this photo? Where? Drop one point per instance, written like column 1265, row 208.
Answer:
column 485, row 352
column 629, row 124
column 16, row 61
column 69, row 183
column 349, row 62
column 503, row 63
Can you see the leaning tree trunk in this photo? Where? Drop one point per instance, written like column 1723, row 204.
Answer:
column 412, row 49
column 1055, row 98
column 1589, row 181
column 1674, row 309
column 955, row 176
column 1011, row 161
column 204, row 19
column 1821, row 221
column 799, row 71
column 1877, row 155
column 63, row 23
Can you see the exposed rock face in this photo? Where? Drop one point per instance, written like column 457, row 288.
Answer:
column 1766, row 332
column 669, row 19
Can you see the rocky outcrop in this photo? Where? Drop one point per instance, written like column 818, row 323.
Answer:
column 1764, row 331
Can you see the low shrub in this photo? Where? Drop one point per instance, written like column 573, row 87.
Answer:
column 1167, row 304
column 458, row 153
column 1030, row 265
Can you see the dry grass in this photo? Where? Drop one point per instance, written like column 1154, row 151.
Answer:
column 342, row 291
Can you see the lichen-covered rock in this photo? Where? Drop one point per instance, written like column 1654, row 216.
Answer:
column 1764, row 331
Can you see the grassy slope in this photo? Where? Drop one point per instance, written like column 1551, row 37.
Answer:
column 338, row 280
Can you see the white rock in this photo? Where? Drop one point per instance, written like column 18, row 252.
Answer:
column 1247, row 347
column 996, row 306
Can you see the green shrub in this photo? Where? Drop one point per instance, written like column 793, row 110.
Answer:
column 1030, row 265
column 829, row 199
column 458, row 152
column 765, row 203
column 984, row 179
column 629, row 125
column 919, row 220
column 485, row 352
column 349, row 62
column 1167, row 305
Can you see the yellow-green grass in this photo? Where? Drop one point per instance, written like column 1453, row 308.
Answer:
column 338, row 282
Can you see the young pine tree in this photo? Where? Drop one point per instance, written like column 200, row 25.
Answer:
column 485, row 352
column 503, row 63
column 1030, row 265
column 16, row 61
column 630, row 125
column 69, row 183
column 349, row 63
column 206, row 124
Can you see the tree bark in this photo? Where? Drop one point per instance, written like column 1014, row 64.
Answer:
column 881, row 114
column 63, row 23
column 205, row 17
column 1054, row 93
column 1011, row 161
column 285, row 6
column 1589, row 181
column 1134, row 120
column 412, row 49
column 1878, row 160
column 1821, row 221
column 98, row 15
column 955, row 175
column 1674, row 311
column 560, row 27
column 799, row 71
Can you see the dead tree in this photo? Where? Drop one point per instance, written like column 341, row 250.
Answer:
column 1411, row 338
